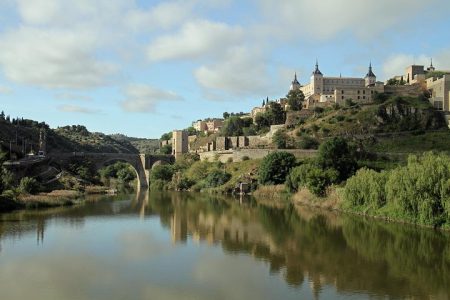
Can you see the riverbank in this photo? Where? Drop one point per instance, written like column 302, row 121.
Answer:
column 10, row 201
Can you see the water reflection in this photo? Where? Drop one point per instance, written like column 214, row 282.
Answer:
column 316, row 249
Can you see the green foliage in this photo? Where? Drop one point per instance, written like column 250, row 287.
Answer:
column 234, row 125
column 336, row 154
column 309, row 175
column 198, row 170
column 245, row 157
column 120, row 170
column 166, row 136
column 295, row 99
column 366, row 189
column 280, row 139
column 158, row 185
column 307, row 142
column 161, row 172
column 166, row 149
column 275, row 167
column 191, row 131
column 28, row 185
column 83, row 168
column 217, row 178
column 418, row 192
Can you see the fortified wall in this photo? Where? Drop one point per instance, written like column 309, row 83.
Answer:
column 240, row 154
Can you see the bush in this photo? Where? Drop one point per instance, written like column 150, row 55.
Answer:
column 161, row 172
column 28, row 185
column 280, row 139
column 308, row 142
column 158, row 185
column 245, row 157
column 275, row 167
column 366, row 189
column 336, row 154
column 7, row 179
column 217, row 178
column 312, row 177
column 166, row 149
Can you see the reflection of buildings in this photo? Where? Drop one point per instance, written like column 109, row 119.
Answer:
column 178, row 227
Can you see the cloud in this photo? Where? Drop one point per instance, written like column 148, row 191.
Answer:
column 143, row 98
column 325, row 19
column 196, row 39
column 241, row 72
column 77, row 109
column 53, row 58
column 72, row 96
column 5, row 90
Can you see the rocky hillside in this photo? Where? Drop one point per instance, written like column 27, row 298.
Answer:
column 22, row 133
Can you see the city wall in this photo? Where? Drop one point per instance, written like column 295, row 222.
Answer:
column 238, row 154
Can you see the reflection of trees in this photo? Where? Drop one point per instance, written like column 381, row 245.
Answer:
column 350, row 253
column 347, row 252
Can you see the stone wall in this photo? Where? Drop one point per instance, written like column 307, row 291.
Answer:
column 237, row 155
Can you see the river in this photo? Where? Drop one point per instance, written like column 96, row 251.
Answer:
column 193, row 246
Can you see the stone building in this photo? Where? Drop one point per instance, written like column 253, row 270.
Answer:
column 208, row 125
column 180, row 143
column 325, row 89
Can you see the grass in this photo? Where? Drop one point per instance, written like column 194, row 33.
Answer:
column 436, row 141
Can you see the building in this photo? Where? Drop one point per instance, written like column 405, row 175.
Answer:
column 208, row 125
column 180, row 143
column 325, row 89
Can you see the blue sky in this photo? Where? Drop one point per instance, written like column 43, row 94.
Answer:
column 143, row 68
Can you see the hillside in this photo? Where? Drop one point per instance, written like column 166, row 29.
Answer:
column 147, row 146
column 371, row 122
column 24, row 134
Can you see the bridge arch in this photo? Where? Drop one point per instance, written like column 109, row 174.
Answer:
column 142, row 163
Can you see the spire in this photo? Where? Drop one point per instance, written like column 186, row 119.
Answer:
column 431, row 65
column 295, row 81
column 370, row 72
column 316, row 70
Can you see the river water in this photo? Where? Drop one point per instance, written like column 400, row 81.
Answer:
column 191, row 246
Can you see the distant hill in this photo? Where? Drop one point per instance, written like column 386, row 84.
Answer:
column 143, row 145
column 24, row 134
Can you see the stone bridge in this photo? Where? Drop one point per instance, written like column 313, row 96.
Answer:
column 142, row 163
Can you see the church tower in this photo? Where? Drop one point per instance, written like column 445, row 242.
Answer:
column 370, row 77
column 317, row 80
column 295, row 85
column 431, row 67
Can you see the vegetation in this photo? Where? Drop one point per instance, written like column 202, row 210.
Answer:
column 275, row 167
column 120, row 171
column 234, row 126
column 28, row 185
column 295, row 99
column 418, row 192
column 166, row 149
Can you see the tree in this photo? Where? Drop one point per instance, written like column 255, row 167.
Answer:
column 280, row 139
column 275, row 167
column 226, row 115
column 276, row 114
column 191, row 131
column 295, row 99
column 234, row 125
column 166, row 149
column 28, row 185
column 161, row 172
column 166, row 136
column 217, row 178
column 261, row 121
column 336, row 154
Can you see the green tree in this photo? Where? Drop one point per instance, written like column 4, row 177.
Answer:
column 191, row 131
column 126, row 174
column 161, row 172
column 275, row 167
column 234, row 126
column 217, row 178
column 226, row 115
column 295, row 99
column 166, row 136
column 280, row 138
column 336, row 154
column 166, row 149
column 276, row 114
column 28, row 185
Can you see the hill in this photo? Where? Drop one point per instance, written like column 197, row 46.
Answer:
column 23, row 136
column 143, row 145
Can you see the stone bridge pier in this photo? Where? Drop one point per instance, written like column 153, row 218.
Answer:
column 142, row 163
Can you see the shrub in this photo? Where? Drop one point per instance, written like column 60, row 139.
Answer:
column 198, row 170
column 7, row 179
column 217, row 178
column 336, row 154
column 366, row 189
column 126, row 175
column 161, row 172
column 312, row 177
column 166, row 149
column 275, row 167
column 28, row 185
column 245, row 157
column 308, row 142
column 280, row 139
column 158, row 185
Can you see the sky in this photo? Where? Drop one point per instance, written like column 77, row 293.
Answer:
column 143, row 68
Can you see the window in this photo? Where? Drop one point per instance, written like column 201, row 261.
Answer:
column 358, row 91
column 364, row 97
column 342, row 91
column 364, row 92
column 359, row 97
column 342, row 97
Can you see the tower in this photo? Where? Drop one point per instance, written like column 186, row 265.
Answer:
column 317, row 80
column 431, row 68
column 370, row 78
column 180, row 143
column 42, row 142
column 295, row 85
